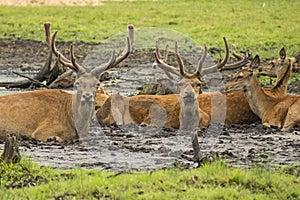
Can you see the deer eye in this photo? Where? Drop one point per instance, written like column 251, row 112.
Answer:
column 76, row 84
column 98, row 85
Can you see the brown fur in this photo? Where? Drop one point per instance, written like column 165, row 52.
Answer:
column 156, row 110
column 231, row 108
column 282, row 112
column 26, row 114
column 56, row 114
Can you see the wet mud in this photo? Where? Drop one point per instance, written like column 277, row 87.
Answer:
column 134, row 147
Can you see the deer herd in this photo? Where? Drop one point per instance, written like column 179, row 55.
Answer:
column 53, row 113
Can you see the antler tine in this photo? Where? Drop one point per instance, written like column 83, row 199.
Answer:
column 165, row 57
column 159, row 61
column 201, row 61
column 76, row 66
column 233, row 52
column 62, row 58
column 124, row 54
column 47, row 33
column 111, row 63
column 67, row 64
column 157, row 46
column 225, row 59
column 128, row 48
column 131, row 34
column 238, row 64
column 179, row 60
column 220, row 63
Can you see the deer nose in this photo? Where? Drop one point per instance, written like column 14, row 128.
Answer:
column 87, row 97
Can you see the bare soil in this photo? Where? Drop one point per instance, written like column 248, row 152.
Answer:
column 133, row 147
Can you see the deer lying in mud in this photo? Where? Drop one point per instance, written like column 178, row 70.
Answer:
column 282, row 112
column 282, row 68
column 52, row 113
column 158, row 110
column 271, row 69
column 215, row 104
column 233, row 107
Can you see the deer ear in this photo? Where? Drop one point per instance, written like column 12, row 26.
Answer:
column 297, row 57
column 282, row 54
column 255, row 62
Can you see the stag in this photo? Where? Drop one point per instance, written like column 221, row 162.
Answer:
column 45, row 114
column 159, row 110
column 281, row 112
column 233, row 107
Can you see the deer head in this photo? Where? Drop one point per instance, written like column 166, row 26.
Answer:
column 242, row 79
column 275, row 66
column 194, row 79
column 87, row 82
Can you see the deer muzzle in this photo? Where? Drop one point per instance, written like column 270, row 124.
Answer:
column 87, row 97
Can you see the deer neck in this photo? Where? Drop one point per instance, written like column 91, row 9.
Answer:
column 82, row 113
column 258, row 100
column 189, row 113
column 280, row 87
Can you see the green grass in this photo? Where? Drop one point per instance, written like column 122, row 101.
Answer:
column 212, row 181
column 245, row 23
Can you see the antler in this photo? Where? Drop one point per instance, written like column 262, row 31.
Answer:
column 233, row 52
column 47, row 33
column 72, row 64
column 128, row 47
column 201, row 61
column 242, row 60
column 161, row 60
column 61, row 57
column 220, row 63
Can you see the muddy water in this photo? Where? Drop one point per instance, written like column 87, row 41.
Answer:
column 132, row 147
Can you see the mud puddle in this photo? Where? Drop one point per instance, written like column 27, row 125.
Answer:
column 132, row 147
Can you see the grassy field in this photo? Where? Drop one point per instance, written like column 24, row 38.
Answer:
column 261, row 29
column 212, row 181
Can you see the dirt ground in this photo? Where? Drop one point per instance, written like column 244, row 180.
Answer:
column 133, row 147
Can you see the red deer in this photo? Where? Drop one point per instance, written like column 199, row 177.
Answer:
column 233, row 107
column 282, row 112
column 156, row 110
column 45, row 114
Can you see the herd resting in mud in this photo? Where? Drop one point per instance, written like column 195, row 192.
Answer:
column 54, row 113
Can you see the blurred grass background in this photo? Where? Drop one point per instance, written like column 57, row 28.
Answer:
column 263, row 27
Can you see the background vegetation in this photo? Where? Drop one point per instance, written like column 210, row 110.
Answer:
column 261, row 27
